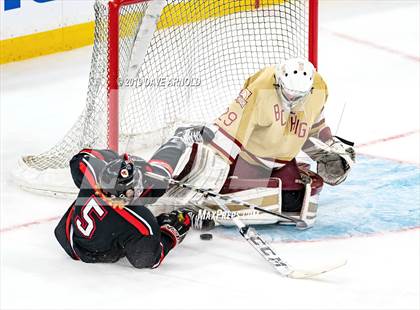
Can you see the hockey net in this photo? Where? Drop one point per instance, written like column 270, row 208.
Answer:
column 187, row 72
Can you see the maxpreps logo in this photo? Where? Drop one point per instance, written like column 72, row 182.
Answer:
column 16, row 4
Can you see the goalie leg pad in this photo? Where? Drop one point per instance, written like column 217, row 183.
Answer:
column 299, row 200
column 267, row 198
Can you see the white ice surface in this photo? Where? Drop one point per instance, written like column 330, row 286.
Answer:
column 377, row 84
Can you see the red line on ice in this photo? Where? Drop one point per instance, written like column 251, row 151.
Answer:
column 389, row 158
column 382, row 140
column 399, row 136
column 375, row 45
column 36, row 222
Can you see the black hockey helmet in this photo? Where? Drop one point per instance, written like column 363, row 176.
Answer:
column 119, row 176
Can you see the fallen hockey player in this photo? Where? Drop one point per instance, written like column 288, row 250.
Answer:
column 109, row 220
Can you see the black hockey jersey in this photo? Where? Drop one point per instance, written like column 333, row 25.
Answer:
column 93, row 230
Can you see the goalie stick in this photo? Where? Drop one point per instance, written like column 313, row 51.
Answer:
column 256, row 240
column 208, row 193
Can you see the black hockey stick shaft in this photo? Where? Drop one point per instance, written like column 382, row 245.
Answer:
column 205, row 192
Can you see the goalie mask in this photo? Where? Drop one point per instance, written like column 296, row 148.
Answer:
column 294, row 78
column 121, row 179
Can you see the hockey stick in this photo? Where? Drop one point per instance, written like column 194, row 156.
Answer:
column 268, row 253
column 252, row 236
column 208, row 193
column 258, row 243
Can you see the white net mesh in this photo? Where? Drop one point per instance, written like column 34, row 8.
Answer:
column 197, row 61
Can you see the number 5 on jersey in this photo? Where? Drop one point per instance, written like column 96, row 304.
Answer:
column 86, row 223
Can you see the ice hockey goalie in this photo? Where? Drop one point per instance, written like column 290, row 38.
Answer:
column 277, row 114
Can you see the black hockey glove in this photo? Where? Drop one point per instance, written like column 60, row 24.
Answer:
column 175, row 225
column 200, row 222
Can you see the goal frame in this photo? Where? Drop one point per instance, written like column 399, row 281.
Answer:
column 113, row 59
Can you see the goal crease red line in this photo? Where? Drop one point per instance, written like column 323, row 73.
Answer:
column 28, row 224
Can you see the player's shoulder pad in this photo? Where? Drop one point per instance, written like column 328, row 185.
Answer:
column 320, row 86
column 260, row 81
column 263, row 79
column 319, row 82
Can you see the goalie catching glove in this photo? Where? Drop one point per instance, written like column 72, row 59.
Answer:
column 335, row 157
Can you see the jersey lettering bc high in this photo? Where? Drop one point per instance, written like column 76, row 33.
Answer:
column 260, row 129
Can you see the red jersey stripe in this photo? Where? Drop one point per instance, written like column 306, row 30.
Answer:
column 94, row 153
column 86, row 172
column 68, row 223
column 68, row 226
column 227, row 135
column 162, row 256
column 222, row 151
column 133, row 221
